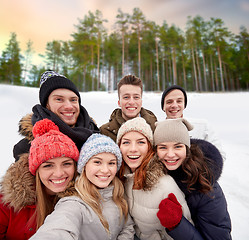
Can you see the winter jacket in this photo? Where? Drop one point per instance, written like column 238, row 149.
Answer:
column 144, row 204
column 208, row 211
column 74, row 219
column 202, row 130
column 111, row 128
column 17, row 202
column 84, row 128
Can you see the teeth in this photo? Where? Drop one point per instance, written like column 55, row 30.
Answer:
column 58, row 181
column 132, row 109
column 133, row 156
column 171, row 161
column 103, row 177
column 68, row 114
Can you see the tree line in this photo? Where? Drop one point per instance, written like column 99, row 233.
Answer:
column 204, row 57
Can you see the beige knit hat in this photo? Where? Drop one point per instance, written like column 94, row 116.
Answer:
column 137, row 124
column 173, row 130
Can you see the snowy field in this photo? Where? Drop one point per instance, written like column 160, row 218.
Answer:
column 227, row 113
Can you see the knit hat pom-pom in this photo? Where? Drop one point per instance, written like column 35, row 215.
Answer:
column 44, row 126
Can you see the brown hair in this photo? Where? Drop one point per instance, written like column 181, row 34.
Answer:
column 140, row 172
column 89, row 193
column 130, row 80
column 199, row 176
column 45, row 203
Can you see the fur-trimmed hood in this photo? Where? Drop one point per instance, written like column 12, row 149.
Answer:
column 18, row 185
column 154, row 171
column 26, row 126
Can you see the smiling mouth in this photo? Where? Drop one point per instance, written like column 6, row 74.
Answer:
column 68, row 114
column 133, row 157
column 59, row 181
column 103, row 178
column 171, row 161
column 131, row 109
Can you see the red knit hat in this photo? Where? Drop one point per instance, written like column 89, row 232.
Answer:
column 49, row 143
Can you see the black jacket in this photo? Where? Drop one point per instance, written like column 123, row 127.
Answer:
column 83, row 128
column 208, row 211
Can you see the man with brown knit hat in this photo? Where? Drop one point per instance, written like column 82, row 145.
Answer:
column 61, row 103
column 130, row 89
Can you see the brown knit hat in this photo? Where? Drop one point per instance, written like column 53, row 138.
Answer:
column 172, row 130
column 49, row 143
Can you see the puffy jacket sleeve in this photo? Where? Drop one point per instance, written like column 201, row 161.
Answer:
column 63, row 223
column 211, row 218
column 128, row 230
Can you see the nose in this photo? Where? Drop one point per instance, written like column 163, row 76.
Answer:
column 58, row 172
column 133, row 147
column 170, row 153
column 68, row 104
column 174, row 104
column 104, row 168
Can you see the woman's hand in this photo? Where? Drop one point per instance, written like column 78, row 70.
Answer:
column 170, row 212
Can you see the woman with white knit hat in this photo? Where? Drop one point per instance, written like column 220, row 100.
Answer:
column 145, row 179
column 196, row 167
column 94, row 208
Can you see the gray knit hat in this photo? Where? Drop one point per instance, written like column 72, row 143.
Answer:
column 173, row 130
column 137, row 124
column 50, row 81
column 95, row 144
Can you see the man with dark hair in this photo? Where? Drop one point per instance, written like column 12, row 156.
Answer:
column 130, row 89
column 61, row 103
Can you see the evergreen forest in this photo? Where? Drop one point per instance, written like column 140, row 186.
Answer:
column 204, row 57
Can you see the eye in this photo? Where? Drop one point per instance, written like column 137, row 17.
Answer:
column 59, row 99
column 97, row 162
column 161, row 148
column 141, row 142
column 125, row 143
column 74, row 100
column 47, row 165
column 113, row 163
column 68, row 164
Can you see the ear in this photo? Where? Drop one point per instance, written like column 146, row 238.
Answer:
column 119, row 103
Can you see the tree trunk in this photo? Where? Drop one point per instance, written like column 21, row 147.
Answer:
column 194, row 69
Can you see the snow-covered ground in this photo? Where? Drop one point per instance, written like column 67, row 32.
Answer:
column 228, row 114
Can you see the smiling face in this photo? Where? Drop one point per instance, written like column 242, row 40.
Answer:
column 101, row 169
column 172, row 154
column 65, row 104
column 56, row 173
column 130, row 101
column 174, row 104
column 134, row 148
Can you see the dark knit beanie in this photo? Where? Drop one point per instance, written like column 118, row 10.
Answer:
column 50, row 81
column 169, row 89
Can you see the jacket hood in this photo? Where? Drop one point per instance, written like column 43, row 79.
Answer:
column 26, row 126
column 212, row 155
column 18, row 185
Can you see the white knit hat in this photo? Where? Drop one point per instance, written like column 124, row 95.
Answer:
column 95, row 144
column 137, row 124
column 173, row 130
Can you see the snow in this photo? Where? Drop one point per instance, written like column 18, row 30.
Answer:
column 227, row 113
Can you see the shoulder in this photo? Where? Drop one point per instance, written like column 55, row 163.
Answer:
column 26, row 126
column 18, row 184
column 149, row 116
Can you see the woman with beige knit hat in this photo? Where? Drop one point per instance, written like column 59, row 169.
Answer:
column 195, row 167
column 145, row 180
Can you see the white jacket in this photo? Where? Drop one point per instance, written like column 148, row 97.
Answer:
column 144, row 205
column 203, row 130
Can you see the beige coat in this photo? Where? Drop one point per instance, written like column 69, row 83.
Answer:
column 143, row 204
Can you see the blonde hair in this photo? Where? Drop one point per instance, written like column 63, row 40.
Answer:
column 90, row 195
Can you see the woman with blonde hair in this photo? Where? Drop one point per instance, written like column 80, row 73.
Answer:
column 30, row 186
column 94, row 208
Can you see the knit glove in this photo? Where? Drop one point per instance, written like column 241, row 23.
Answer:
column 170, row 212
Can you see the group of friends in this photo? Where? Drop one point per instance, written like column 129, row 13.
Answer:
column 132, row 178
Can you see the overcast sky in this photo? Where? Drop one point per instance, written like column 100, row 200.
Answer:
column 43, row 21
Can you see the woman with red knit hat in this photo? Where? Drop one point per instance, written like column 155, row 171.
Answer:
column 29, row 188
